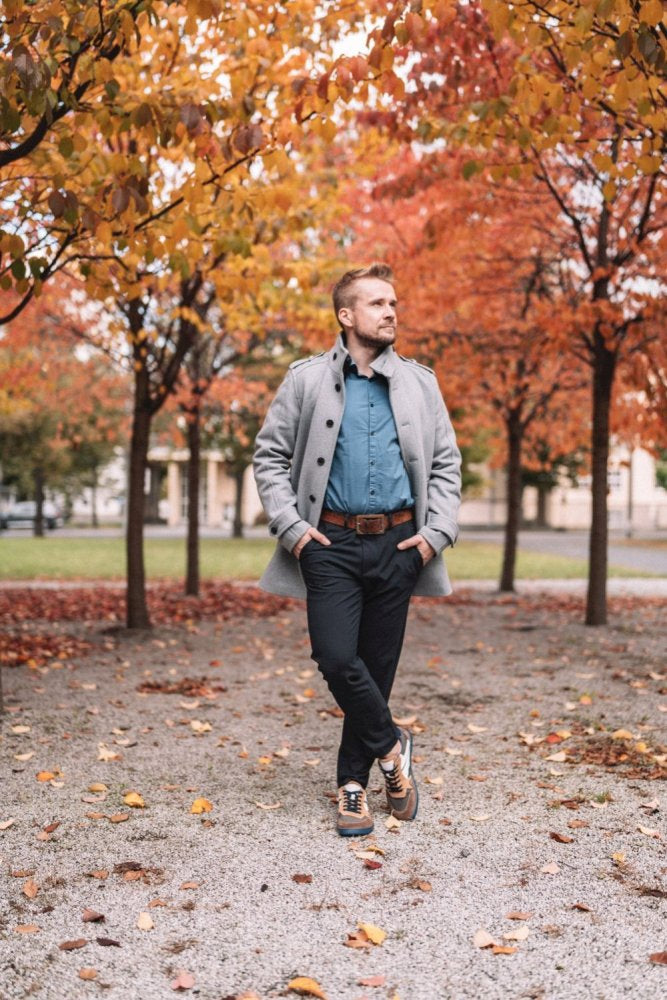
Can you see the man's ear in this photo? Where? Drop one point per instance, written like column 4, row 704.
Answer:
column 345, row 317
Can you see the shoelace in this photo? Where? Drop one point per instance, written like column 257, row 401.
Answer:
column 393, row 780
column 352, row 799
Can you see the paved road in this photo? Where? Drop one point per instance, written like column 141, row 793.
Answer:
column 641, row 558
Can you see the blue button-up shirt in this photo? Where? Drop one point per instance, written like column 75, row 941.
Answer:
column 367, row 475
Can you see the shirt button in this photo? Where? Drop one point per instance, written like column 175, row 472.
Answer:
column 274, row 531
column 337, row 386
column 329, row 423
column 320, row 461
column 372, row 404
column 335, row 355
column 372, row 493
column 311, row 498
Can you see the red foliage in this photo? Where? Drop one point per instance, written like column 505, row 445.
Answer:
column 167, row 604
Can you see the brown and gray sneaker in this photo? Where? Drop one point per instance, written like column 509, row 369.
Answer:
column 400, row 783
column 354, row 818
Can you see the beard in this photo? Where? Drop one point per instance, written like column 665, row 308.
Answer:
column 382, row 336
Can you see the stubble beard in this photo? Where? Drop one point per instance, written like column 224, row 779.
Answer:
column 381, row 337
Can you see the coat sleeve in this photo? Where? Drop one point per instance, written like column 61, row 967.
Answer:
column 272, row 462
column 444, row 482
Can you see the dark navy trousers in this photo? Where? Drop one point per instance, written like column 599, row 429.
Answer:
column 358, row 592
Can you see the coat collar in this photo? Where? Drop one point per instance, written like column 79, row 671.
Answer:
column 384, row 364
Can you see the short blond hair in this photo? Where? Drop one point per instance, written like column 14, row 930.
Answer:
column 343, row 295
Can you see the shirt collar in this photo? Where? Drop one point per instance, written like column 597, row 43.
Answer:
column 384, row 364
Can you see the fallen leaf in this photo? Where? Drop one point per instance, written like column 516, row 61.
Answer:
column 91, row 916
column 302, row 879
column 650, row 833
column 106, row 942
column 306, row 987
column 119, row 817
column 481, row 818
column 201, row 806
column 87, row 973
column 482, row 939
column 561, row 838
column 134, row 799
column 103, row 753
column 581, row 906
column 6, row 823
column 477, row 729
column 372, row 981
column 72, row 945
column 45, row 775
column 518, row 915
column 559, row 756
column 550, row 869
column 20, row 729
column 24, row 756
column 189, row 885
column 373, row 865
column 200, row 727
column 392, row 823
column 503, row 949
column 659, row 957
column 622, row 734
column 184, row 980
column 144, row 921
column 520, row 934
column 369, row 851
column 373, row 933
column 98, row 786
column 27, row 928
column 30, row 888
column 272, row 805
column 101, row 873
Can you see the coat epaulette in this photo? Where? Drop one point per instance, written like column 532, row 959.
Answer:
column 306, row 361
column 417, row 363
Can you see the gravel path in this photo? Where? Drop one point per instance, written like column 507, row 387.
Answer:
column 513, row 703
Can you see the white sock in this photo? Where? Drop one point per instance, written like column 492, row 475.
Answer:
column 352, row 786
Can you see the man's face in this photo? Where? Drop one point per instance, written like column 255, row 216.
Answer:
column 371, row 319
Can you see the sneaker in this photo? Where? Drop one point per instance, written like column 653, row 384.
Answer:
column 354, row 818
column 400, row 784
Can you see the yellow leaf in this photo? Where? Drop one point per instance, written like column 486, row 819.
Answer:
column 134, row 799
column 483, row 939
column 306, row 987
column 622, row 734
column 98, row 786
column 45, row 775
column 144, row 921
column 201, row 806
column 373, row 933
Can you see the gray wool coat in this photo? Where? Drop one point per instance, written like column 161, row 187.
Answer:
column 294, row 451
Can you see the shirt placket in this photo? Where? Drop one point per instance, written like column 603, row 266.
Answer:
column 372, row 449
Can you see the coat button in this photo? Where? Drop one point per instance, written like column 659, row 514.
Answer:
column 311, row 498
column 274, row 531
column 337, row 386
column 329, row 423
column 320, row 461
column 335, row 355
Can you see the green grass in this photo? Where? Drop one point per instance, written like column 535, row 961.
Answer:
column 104, row 558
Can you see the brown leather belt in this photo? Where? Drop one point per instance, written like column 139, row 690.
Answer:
column 368, row 524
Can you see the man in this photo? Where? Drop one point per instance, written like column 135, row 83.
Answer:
column 359, row 473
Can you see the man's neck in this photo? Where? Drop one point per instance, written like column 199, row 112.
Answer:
column 363, row 355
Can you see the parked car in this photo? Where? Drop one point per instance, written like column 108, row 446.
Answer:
column 23, row 514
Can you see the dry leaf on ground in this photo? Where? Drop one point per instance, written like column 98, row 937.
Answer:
column 306, row 987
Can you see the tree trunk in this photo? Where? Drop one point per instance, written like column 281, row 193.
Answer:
column 38, row 523
column 603, row 381
column 542, row 496
column 137, row 609
column 194, row 447
column 514, row 440
column 239, row 478
column 93, row 499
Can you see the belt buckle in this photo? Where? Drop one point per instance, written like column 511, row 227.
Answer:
column 370, row 524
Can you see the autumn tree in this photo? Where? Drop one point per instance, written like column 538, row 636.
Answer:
column 570, row 95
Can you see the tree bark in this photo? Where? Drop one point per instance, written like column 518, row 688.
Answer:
column 194, row 447
column 604, row 368
column 542, row 495
column 38, row 523
column 514, row 441
column 93, row 499
column 137, row 608
column 237, row 528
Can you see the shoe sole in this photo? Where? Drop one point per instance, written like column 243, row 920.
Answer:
column 356, row 833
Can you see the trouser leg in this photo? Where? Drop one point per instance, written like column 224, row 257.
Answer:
column 336, row 593
column 388, row 584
